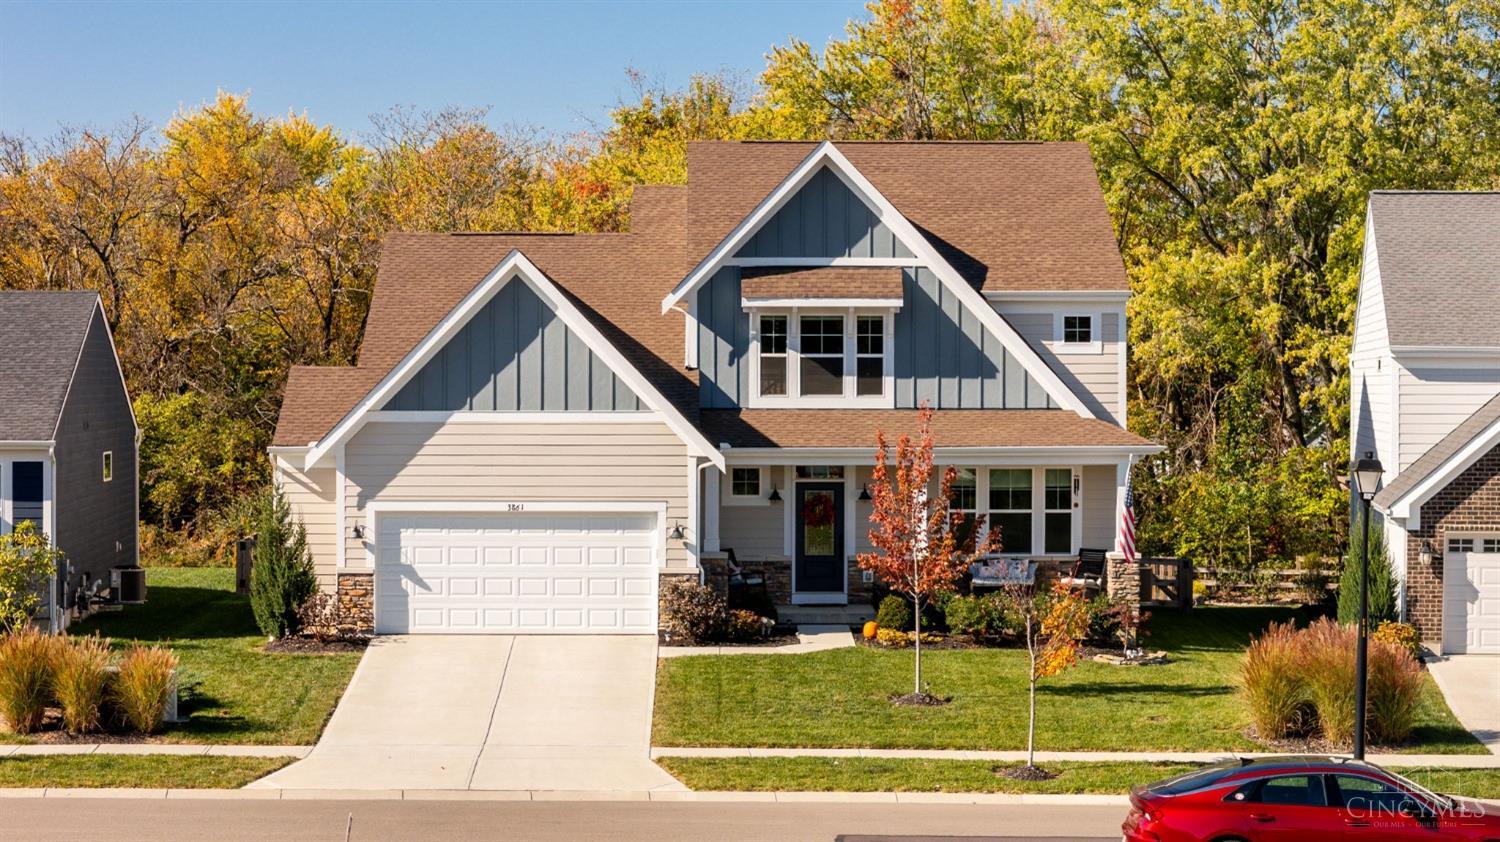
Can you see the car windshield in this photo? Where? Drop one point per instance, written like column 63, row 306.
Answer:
column 1196, row 779
column 1421, row 791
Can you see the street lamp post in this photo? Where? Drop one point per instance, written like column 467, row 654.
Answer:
column 1366, row 475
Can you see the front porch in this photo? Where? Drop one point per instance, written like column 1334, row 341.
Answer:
column 800, row 527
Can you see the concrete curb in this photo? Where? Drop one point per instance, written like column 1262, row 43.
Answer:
column 663, row 797
column 1451, row 761
column 173, row 749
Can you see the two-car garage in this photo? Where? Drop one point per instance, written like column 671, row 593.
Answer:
column 516, row 571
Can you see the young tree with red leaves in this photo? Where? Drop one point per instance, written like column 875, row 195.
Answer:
column 919, row 552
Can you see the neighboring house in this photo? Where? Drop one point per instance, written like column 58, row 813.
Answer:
column 1425, row 375
column 67, row 438
column 542, row 426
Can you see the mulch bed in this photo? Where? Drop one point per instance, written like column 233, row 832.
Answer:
column 1026, row 773
column 759, row 643
column 51, row 733
column 921, row 700
column 311, row 646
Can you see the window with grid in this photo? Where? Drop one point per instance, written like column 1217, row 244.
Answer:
column 869, row 356
column 1058, row 515
column 773, row 355
column 1078, row 329
column 822, row 354
column 963, row 504
column 1010, row 508
column 1460, row 545
column 744, row 482
column 1490, row 545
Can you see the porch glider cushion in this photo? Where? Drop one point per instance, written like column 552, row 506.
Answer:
column 842, row 282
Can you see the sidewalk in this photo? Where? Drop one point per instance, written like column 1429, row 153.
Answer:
column 1452, row 761
column 656, row 796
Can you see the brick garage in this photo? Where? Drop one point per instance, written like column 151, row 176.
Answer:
column 1471, row 503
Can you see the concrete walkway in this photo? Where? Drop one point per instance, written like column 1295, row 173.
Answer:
column 1454, row 761
column 487, row 712
column 1471, row 684
column 809, row 639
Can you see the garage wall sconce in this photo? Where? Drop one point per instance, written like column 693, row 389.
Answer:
column 1425, row 554
column 676, row 533
column 358, row 532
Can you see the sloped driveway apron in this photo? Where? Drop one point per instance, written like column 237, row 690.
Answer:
column 492, row 712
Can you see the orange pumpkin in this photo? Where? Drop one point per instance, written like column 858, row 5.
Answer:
column 870, row 628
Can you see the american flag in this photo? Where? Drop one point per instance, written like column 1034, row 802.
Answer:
column 1127, row 523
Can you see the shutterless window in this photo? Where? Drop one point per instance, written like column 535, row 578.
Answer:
column 869, row 355
column 1058, row 518
column 1491, row 545
column 963, row 504
column 745, row 482
column 109, row 465
column 773, row 355
column 1078, row 328
column 26, row 492
column 1010, row 508
column 822, row 353
column 1460, row 545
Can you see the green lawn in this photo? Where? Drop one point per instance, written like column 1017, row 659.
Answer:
column 231, row 691
column 136, row 771
column 872, row 774
column 838, row 698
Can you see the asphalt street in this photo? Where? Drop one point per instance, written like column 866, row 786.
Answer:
column 127, row 820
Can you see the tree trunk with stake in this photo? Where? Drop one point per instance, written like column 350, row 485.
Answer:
column 1031, row 712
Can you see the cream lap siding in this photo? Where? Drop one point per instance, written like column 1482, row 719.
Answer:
column 1099, row 501
column 754, row 532
column 516, row 462
column 1435, row 399
column 312, row 496
column 1093, row 377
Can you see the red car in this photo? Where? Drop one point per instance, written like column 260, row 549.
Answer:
column 1324, row 799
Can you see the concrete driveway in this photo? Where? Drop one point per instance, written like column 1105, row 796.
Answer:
column 1471, row 684
column 531, row 712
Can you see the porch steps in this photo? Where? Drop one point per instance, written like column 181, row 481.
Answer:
column 825, row 615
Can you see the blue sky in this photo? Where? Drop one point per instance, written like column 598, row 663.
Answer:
column 558, row 66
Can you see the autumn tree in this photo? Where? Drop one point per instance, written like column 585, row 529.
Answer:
column 922, row 546
column 1053, row 622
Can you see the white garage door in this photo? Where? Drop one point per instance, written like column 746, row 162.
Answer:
column 1471, row 596
column 552, row 573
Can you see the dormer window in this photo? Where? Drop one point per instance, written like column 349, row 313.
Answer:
column 820, row 357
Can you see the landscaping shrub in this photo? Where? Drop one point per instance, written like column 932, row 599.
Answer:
column 1403, row 635
column 894, row 613
column 745, row 625
column 975, row 615
column 901, row 639
column 692, row 611
column 1272, row 685
column 142, row 684
column 1104, row 618
column 281, row 578
column 1382, row 581
column 1328, row 668
column 27, row 657
column 26, row 560
column 80, row 680
column 1395, row 691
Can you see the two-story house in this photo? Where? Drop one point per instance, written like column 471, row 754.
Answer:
column 540, row 427
column 1425, row 375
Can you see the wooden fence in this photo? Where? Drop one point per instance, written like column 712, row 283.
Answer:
column 1167, row 582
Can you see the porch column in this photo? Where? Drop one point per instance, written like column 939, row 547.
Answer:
column 1122, row 580
column 711, row 484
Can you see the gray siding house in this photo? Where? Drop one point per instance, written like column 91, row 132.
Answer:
column 1424, row 375
column 541, row 427
column 68, row 439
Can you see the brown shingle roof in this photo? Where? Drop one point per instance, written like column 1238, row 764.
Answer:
column 950, row 428
column 1007, row 216
column 823, row 282
column 1446, row 448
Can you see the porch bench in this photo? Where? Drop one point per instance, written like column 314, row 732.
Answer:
column 1002, row 572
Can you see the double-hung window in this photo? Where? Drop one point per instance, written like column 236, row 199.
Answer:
column 1058, row 515
column 773, row 355
column 963, row 504
column 822, row 353
column 869, row 356
column 1010, row 508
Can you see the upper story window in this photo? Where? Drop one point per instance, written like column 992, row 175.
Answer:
column 109, row 465
column 1076, row 333
column 821, row 359
column 1078, row 329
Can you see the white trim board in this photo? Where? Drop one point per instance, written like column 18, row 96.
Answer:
column 826, row 153
column 515, row 265
column 990, row 456
column 1408, row 507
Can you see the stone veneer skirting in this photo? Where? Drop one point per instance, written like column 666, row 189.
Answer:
column 1471, row 503
column 356, row 595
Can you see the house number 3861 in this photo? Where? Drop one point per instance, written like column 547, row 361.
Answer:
column 515, row 507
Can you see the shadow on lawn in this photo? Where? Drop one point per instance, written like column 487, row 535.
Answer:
column 1103, row 689
column 177, row 614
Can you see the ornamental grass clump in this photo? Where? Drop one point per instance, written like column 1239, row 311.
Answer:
column 1328, row 667
column 27, row 657
column 142, row 684
column 1395, row 692
column 80, row 681
column 1272, row 684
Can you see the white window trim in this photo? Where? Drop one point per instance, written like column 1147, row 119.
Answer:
column 107, row 466
column 848, row 400
column 1096, row 329
column 1038, row 509
column 729, row 498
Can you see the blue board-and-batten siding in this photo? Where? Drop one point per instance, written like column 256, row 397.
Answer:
column 824, row 219
column 943, row 355
column 516, row 355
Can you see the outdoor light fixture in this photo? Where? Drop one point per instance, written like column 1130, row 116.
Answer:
column 1364, row 477
column 359, row 532
column 676, row 533
column 775, row 496
column 864, row 492
column 1425, row 554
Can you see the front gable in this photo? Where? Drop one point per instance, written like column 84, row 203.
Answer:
column 516, row 355
column 824, row 219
